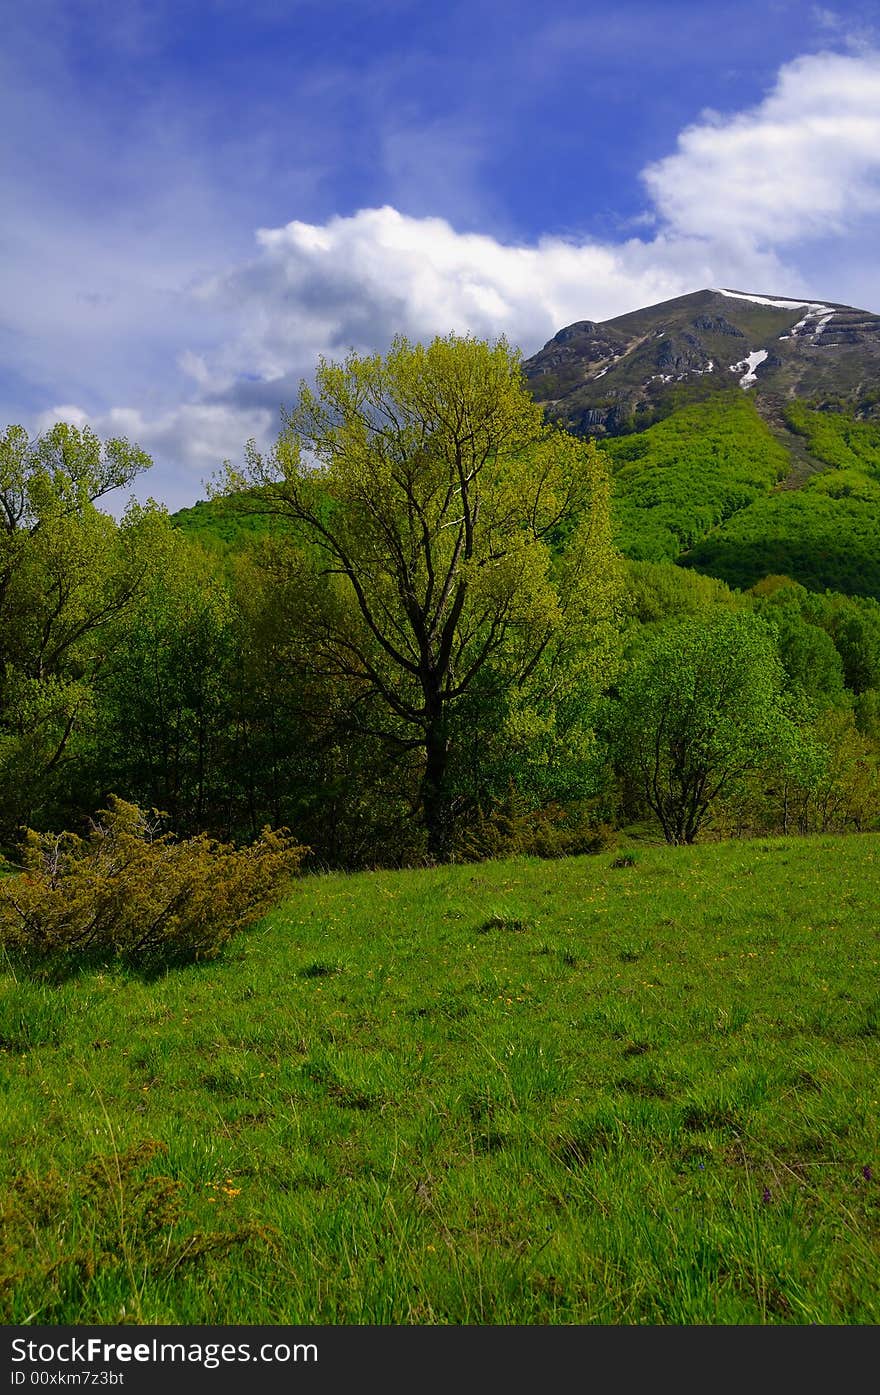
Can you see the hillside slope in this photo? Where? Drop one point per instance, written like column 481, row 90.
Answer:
column 743, row 432
column 714, row 486
column 825, row 534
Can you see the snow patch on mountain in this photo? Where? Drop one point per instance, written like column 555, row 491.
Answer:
column 778, row 304
column 749, row 363
column 812, row 324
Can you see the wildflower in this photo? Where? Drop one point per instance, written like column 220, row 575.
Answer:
column 766, row 1196
column 867, row 1173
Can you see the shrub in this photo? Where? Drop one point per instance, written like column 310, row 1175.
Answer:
column 131, row 892
column 515, row 827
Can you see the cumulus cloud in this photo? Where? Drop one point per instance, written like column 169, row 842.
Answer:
column 196, row 436
column 803, row 164
column 740, row 202
column 356, row 281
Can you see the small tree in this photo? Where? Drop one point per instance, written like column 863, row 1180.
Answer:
column 431, row 499
column 68, row 578
column 700, row 707
column 165, row 708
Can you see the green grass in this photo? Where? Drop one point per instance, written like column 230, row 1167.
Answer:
column 517, row 1092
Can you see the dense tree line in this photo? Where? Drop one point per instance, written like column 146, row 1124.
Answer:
column 406, row 634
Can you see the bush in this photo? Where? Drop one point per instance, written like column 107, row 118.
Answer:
column 515, row 827
column 130, row 892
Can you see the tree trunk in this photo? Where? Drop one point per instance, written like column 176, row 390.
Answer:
column 436, row 805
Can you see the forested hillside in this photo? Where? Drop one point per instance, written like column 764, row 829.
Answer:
column 679, row 480
column 400, row 655
column 824, row 534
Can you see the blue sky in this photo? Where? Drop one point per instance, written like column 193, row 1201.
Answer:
column 199, row 198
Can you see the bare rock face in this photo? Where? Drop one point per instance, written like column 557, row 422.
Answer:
column 681, row 354
column 717, row 324
column 582, row 329
column 605, row 378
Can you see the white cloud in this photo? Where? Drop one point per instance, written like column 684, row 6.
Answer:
column 66, row 411
column 356, row 281
column 779, row 198
column 803, row 164
column 195, row 437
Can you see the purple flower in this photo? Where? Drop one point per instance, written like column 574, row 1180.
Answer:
column 766, row 1196
column 867, row 1173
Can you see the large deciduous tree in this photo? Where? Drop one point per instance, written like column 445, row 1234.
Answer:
column 449, row 536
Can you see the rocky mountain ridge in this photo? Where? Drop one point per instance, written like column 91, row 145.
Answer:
column 622, row 374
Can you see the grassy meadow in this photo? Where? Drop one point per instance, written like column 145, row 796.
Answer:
column 637, row 1088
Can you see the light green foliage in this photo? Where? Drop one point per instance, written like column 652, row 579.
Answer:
column 844, row 790
column 824, row 534
column 68, row 577
column 867, row 713
column 529, row 770
column 837, row 439
column 808, row 654
column 829, row 784
column 218, row 526
column 132, row 892
column 658, row 591
column 59, row 473
column 851, row 622
column 430, row 495
column 821, row 541
column 683, row 477
column 700, row 707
